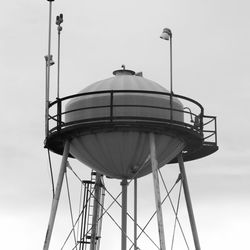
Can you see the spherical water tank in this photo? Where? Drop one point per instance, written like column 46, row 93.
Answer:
column 119, row 151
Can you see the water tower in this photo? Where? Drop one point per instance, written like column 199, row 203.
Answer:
column 126, row 127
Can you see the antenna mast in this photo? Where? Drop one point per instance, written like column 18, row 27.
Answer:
column 49, row 62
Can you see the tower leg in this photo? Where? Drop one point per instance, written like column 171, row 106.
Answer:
column 101, row 213
column 124, row 185
column 154, row 164
column 135, row 214
column 189, row 204
column 96, row 209
column 57, row 196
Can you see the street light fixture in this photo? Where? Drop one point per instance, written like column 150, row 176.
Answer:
column 167, row 35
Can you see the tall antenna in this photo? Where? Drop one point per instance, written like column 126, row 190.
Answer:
column 59, row 20
column 49, row 62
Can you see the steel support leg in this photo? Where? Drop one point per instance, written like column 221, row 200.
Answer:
column 57, row 196
column 100, row 216
column 96, row 212
column 154, row 164
column 188, row 202
column 135, row 214
column 124, row 185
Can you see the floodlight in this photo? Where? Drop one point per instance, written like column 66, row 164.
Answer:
column 166, row 34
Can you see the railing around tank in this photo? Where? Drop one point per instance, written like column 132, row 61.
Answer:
column 210, row 129
column 205, row 125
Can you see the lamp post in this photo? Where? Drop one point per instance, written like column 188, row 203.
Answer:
column 167, row 35
column 59, row 21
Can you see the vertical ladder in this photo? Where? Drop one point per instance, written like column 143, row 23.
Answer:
column 83, row 241
column 91, row 207
column 93, row 199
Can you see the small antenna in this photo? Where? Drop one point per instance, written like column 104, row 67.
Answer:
column 59, row 21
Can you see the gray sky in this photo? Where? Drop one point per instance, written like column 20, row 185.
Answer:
column 211, row 64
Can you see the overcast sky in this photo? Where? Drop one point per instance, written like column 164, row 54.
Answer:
column 211, row 64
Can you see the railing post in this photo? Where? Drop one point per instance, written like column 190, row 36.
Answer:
column 171, row 106
column 111, row 105
column 201, row 119
column 215, row 128
column 59, row 114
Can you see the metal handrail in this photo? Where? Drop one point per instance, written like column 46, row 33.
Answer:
column 112, row 92
column 208, row 116
column 209, row 131
column 199, row 116
column 126, row 91
column 120, row 106
column 111, row 117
